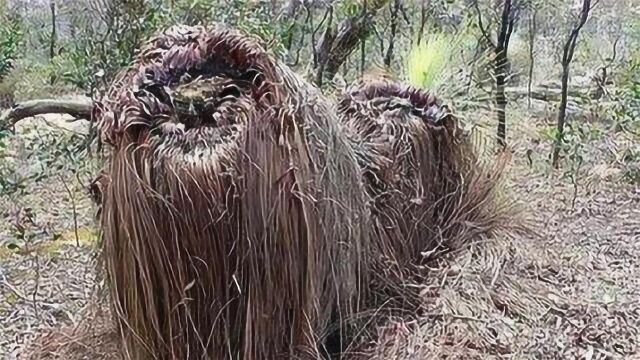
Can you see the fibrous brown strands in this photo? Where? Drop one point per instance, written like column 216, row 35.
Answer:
column 246, row 217
column 429, row 192
column 234, row 218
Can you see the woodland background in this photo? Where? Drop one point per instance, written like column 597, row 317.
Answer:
column 499, row 64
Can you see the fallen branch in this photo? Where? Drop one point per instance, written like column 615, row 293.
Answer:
column 550, row 94
column 78, row 108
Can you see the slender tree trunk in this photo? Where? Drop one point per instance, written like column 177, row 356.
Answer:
column 52, row 42
column 567, row 57
column 501, row 99
column 363, row 46
column 320, row 55
column 562, row 112
column 392, row 35
column 423, row 20
column 532, row 35
column 363, row 55
column 500, row 68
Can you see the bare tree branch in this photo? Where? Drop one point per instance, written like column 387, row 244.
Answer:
column 323, row 46
column 302, row 33
column 80, row 109
column 351, row 32
column 483, row 30
column 316, row 47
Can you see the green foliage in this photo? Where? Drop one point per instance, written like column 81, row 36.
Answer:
column 49, row 154
column 92, row 59
column 102, row 49
column 626, row 111
column 10, row 37
column 631, row 160
column 433, row 63
column 193, row 12
column 427, row 61
column 75, row 67
column 10, row 40
column 549, row 133
column 349, row 8
column 257, row 19
column 575, row 142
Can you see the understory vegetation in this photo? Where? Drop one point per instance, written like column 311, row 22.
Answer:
column 554, row 84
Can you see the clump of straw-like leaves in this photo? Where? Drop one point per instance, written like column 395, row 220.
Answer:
column 246, row 216
column 234, row 218
column 429, row 193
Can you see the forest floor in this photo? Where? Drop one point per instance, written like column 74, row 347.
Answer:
column 567, row 290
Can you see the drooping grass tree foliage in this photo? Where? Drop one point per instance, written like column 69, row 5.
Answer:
column 233, row 213
column 248, row 216
column 427, row 189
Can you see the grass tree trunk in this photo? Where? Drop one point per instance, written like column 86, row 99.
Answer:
column 567, row 57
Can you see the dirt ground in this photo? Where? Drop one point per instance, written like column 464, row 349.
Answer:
column 570, row 289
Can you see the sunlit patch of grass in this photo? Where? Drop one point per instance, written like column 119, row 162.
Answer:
column 10, row 298
column 438, row 65
column 87, row 237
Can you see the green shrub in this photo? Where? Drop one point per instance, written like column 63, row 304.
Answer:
column 10, row 37
column 626, row 107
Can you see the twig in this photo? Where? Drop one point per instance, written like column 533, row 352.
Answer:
column 574, row 181
column 481, row 26
column 327, row 13
column 73, row 205
column 459, row 317
column 20, row 295
column 14, row 289
column 37, row 286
